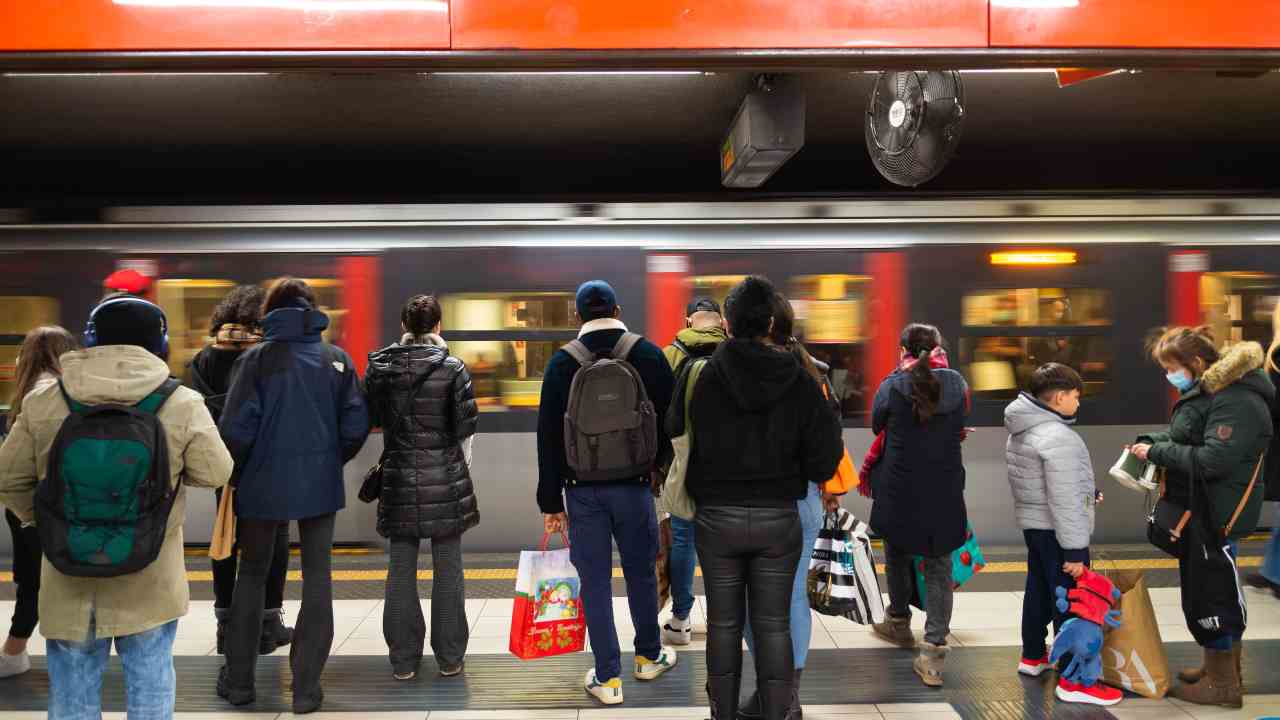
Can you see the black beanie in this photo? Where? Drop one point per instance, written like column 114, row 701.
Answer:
column 130, row 321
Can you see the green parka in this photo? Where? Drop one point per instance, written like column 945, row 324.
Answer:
column 1220, row 427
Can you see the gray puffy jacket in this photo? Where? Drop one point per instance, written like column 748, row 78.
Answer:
column 1050, row 473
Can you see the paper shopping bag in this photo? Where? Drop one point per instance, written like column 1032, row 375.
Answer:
column 1133, row 655
column 547, row 618
column 966, row 561
column 224, row 526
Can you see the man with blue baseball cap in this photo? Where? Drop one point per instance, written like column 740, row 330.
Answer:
column 602, row 512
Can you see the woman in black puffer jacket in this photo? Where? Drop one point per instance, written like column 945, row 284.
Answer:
column 422, row 398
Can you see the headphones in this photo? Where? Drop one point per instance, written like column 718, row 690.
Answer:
column 91, row 331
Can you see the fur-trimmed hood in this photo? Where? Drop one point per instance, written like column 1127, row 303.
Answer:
column 1238, row 362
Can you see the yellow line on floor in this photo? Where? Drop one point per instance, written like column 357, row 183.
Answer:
column 998, row 568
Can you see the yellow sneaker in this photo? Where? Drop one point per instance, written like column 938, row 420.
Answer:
column 608, row 693
column 650, row 669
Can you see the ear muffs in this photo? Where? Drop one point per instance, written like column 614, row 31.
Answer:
column 91, row 330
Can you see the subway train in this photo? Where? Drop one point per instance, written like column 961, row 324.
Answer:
column 1011, row 283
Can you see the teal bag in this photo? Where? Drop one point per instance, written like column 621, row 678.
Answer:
column 966, row 561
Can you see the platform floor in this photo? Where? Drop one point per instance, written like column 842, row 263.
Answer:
column 851, row 675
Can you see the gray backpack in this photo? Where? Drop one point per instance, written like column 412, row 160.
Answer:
column 610, row 428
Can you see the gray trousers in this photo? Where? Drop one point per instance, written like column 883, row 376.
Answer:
column 403, row 626
column 938, row 586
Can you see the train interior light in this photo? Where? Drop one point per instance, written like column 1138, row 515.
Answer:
column 1034, row 257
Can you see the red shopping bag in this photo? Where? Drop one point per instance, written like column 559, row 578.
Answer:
column 547, row 618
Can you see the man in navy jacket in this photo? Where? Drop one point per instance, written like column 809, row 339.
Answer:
column 600, row 514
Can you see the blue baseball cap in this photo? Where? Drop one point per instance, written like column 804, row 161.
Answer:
column 596, row 299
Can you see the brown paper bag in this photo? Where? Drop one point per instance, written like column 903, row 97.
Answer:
column 1133, row 655
column 224, row 526
column 664, row 563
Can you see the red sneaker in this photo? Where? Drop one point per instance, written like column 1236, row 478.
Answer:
column 1096, row 694
column 1034, row 668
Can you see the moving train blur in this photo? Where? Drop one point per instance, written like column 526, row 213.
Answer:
column 1012, row 284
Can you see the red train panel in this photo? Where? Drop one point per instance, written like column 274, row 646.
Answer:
column 1124, row 23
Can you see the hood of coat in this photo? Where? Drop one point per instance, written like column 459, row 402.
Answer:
column 121, row 374
column 1240, row 364
column 755, row 375
column 431, row 339
column 294, row 325
column 1025, row 412
column 415, row 359
column 702, row 341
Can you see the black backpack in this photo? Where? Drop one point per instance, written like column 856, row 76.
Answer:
column 102, row 509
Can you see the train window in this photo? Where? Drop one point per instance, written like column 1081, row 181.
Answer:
column 506, row 373
column 831, row 321
column 1037, row 307
column 508, row 311
column 188, row 305
column 20, row 314
column 716, row 287
column 1238, row 305
column 999, row 365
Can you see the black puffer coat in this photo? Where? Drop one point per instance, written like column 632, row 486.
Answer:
column 426, row 484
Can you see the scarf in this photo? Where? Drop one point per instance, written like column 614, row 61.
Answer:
column 233, row 336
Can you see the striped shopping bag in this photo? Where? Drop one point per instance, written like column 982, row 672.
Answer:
column 842, row 575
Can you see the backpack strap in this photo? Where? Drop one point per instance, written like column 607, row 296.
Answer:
column 1245, row 499
column 579, row 352
column 153, row 402
column 681, row 347
column 625, row 345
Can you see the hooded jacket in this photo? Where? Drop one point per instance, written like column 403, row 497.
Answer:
column 691, row 342
column 211, row 375
column 158, row 593
column 421, row 397
column 762, row 429
column 294, row 415
column 1050, row 474
column 919, row 482
column 1219, row 430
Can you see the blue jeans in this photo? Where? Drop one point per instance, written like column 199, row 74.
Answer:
column 801, row 618
column 684, row 561
column 75, row 674
column 599, row 516
column 1270, row 562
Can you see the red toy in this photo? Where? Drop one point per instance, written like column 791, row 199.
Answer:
column 1093, row 598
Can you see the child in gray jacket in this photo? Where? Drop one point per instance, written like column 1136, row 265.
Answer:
column 1051, row 476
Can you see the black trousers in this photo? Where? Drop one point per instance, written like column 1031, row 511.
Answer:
column 313, row 633
column 1039, row 603
column 749, row 558
column 224, row 571
column 403, row 626
column 26, row 575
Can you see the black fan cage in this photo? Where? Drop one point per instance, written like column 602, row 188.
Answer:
column 926, row 126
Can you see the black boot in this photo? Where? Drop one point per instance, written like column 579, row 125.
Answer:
column 274, row 632
column 775, row 699
column 223, row 615
column 795, row 712
column 750, row 708
column 234, row 695
column 722, row 691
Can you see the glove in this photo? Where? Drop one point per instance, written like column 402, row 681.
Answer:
column 1083, row 641
column 1094, row 598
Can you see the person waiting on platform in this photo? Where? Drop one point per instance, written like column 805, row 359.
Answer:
column 763, row 434
column 422, row 398
column 614, row 503
column 294, row 416
column 1268, row 576
column 234, row 326
column 140, row 588
column 37, row 368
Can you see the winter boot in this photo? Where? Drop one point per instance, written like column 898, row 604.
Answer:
column 235, row 695
column 223, row 616
column 896, row 630
column 274, row 632
column 1191, row 676
column 722, row 693
column 775, row 699
column 796, row 712
column 1220, row 684
column 750, row 708
column 928, row 664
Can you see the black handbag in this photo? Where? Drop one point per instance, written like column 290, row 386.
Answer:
column 371, row 487
column 1168, row 521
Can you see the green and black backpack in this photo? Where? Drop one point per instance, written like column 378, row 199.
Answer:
column 103, row 508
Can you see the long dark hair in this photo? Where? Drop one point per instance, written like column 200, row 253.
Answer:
column 783, row 335
column 38, row 355
column 920, row 340
column 288, row 292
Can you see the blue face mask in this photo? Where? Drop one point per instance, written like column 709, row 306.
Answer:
column 1180, row 380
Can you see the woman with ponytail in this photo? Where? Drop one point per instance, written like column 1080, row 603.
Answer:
column 919, row 490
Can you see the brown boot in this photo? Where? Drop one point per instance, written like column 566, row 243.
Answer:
column 1238, row 651
column 896, row 630
column 1220, row 685
column 929, row 662
column 1191, row 676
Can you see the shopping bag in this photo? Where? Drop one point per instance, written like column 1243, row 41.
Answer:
column 1133, row 655
column 663, row 563
column 547, row 618
column 842, row 575
column 845, row 479
column 675, row 498
column 224, row 526
column 966, row 561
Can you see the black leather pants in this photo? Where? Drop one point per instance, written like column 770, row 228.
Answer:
column 748, row 553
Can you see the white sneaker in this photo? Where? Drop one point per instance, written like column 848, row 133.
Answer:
column 608, row 693
column 11, row 665
column 651, row 669
column 677, row 631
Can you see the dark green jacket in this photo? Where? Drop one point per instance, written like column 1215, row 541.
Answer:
column 1221, row 427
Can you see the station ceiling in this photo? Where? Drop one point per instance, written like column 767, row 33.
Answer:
column 78, row 142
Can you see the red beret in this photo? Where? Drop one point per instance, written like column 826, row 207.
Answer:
column 130, row 281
